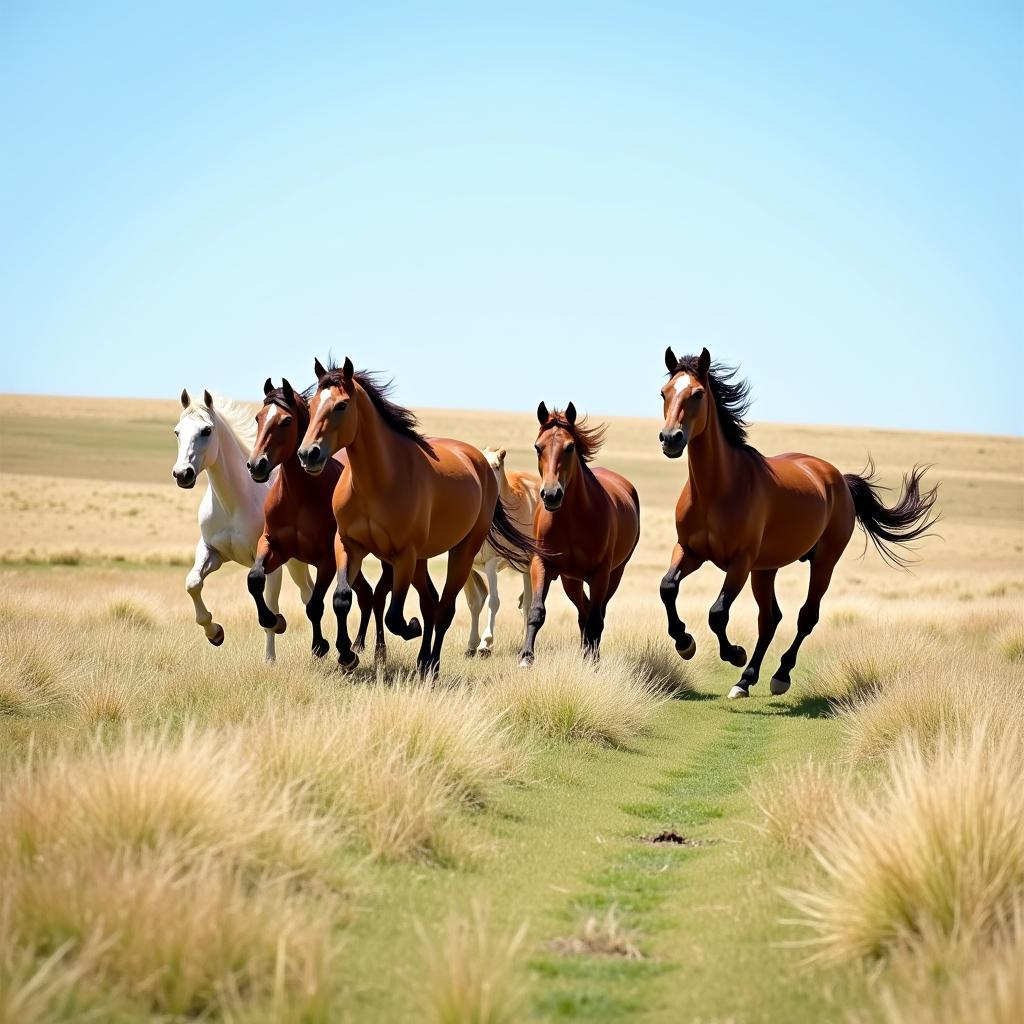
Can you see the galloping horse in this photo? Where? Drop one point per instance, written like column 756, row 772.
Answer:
column 405, row 498
column 751, row 515
column 231, row 512
column 587, row 526
column 518, row 492
column 298, row 518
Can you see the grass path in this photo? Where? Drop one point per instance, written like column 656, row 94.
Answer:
column 573, row 844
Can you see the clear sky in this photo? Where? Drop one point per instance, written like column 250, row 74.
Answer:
column 499, row 204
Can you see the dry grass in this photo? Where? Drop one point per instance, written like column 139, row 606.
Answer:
column 564, row 698
column 470, row 973
column 930, row 856
column 600, row 936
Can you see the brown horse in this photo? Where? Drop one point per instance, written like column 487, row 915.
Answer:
column 405, row 498
column 298, row 518
column 587, row 526
column 751, row 515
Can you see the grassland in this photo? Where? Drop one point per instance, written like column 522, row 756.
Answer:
column 185, row 831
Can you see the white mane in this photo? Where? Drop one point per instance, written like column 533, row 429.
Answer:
column 238, row 417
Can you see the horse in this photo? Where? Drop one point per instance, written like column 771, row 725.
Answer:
column 298, row 518
column 518, row 492
column 405, row 498
column 587, row 527
column 751, row 515
column 215, row 439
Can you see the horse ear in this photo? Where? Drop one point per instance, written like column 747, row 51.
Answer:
column 318, row 369
column 570, row 414
column 348, row 369
column 542, row 414
column 501, row 454
column 185, row 400
column 289, row 394
column 703, row 364
column 670, row 360
column 267, row 387
column 208, row 399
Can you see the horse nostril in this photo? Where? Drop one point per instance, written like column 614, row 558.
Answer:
column 661, row 436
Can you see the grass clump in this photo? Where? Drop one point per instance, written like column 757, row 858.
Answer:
column 600, row 936
column 930, row 857
column 469, row 973
column 797, row 802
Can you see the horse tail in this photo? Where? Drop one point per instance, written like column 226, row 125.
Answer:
column 508, row 541
column 911, row 518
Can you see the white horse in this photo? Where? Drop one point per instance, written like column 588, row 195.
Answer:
column 219, row 440
column 519, row 492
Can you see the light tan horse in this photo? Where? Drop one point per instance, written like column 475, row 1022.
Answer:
column 519, row 493
column 404, row 499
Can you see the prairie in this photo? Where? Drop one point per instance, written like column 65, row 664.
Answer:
column 186, row 832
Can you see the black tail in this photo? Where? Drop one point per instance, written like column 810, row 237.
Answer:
column 509, row 541
column 908, row 520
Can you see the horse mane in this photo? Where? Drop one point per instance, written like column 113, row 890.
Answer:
column 732, row 398
column 301, row 406
column 236, row 416
column 588, row 439
column 401, row 420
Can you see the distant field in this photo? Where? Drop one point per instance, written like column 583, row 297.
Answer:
column 367, row 811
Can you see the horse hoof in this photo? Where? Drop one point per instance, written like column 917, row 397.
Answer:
column 484, row 652
column 687, row 651
column 738, row 692
column 320, row 648
column 525, row 660
column 359, row 646
column 413, row 629
column 349, row 666
column 280, row 625
column 218, row 637
column 739, row 657
column 471, row 653
column 778, row 686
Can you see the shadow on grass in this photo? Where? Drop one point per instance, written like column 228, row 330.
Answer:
column 802, row 707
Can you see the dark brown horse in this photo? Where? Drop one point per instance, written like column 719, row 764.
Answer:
column 299, row 520
column 404, row 498
column 751, row 515
column 587, row 526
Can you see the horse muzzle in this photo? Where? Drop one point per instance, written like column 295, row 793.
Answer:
column 313, row 458
column 552, row 498
column 673, row 443
column 184, row 478
column 259, row 469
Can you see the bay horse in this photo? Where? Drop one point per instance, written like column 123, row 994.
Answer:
column 404, row 498
column 587, row 526
column 214, row 438
column 519, row 492
column 751, row 515
column 298, row 518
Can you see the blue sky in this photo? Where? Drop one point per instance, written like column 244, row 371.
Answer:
column 502, row 204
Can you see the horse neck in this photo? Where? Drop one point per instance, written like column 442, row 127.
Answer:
column 371, row 453
column 229, row 478
column 585, row 491
column 711, row 459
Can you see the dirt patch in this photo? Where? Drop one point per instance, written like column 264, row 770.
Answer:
column 675, row 839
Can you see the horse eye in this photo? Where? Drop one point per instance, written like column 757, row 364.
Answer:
column 206, row 431
column 284, row 422
column 537, row 448
column 697, row 394
column 570, row 447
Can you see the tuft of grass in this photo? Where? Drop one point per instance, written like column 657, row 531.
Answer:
column 600, row 936
column 1011, row 644
column 931, row 857
column 470, row 974
column 797, row 802
column 126, row 610
column 565, row 698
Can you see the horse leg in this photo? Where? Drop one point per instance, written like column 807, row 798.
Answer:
column 475, row 592
column 769, row 615
column 428, row 609
column 493, row 604
column 380, row 600
column 822, row 564
column 349, row 560
column 683, row 563
column 273, row 597
column 594, row 627
column 364, row 598
column 541, row 579
column 299, row 573
column 575, row 592
column 207, row 560
column 315, row 607
column 267, row 562
column 460, row 565
column 404, row 567
column 525, row 600
column 718, row 618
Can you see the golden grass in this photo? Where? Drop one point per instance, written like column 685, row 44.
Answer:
column 930, row 855
column 470, row 972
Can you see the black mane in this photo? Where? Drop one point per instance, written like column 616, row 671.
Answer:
column 588, row 438
column 400, row 419
column 732, row 398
